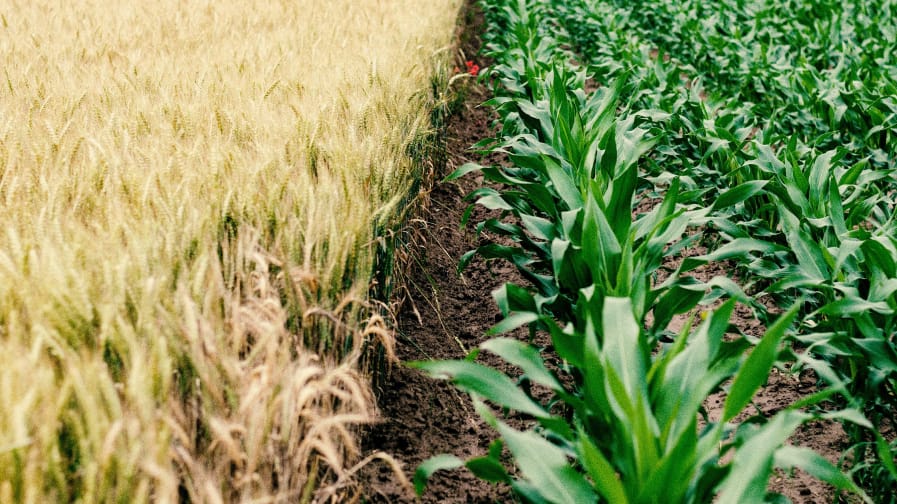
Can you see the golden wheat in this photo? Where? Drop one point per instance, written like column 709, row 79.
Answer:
column 189, row 194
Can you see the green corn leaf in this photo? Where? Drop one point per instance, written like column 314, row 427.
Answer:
column 825, row 372
column 657, row 381
column 592, row 366
column 545, row 467
column 836, row 210
column 463, row 170
column 767, row 161
column 542, row 199
column 568, row 346
column 661, row 225
column 849, row 415
column 868, row 177
column 808, row 252
column 631, row 143
column 846, row 253
column 465, row 259
column 814, row 398
column 668, row 243
column 609, row 157
column 539, row 113
column 513, row 298
column 483, row 191
column 854, row 305
column 484, row 381
column 737, row 248
column 792, row 197
column 501, row 175
column 513, row 321
column 563, row 183
column 820, row 173
column 674, row 301
column 622, row 346
column 619, row 207
column 524, row 356
column 882, row 354
column 794, row 278
column 853, row 174
column 559, row 250
column 430, row 466
column 670, row 480
column 527, row 152
column 721, row 284
column 510, row 253
column 693, row 373
column 571, row 222
column 667, row 208
column 465, row 217
column 502, row 228
column 542, row 229
column 788, row 457
column 566, row 137
column 881, row 252
column 757, row 366
column 753, row 461
column 606, row 479
column 601, row 107
column 627, row 283
column 600, row 247
column 636, row 446
column 625, row 356
column 528, row 493
column 739, row 193
column 797, row 179
column 494, row 202
column 655, row 115
column 885, row 454
column 488, row 468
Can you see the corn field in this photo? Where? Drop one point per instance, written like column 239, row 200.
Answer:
column 761, row 133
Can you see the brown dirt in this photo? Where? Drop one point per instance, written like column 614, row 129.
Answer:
column 448, row 315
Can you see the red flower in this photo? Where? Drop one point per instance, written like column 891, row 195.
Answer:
column 472, row 68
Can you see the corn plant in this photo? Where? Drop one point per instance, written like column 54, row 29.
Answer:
column 841, row 254
column 790, row 103
column 580, row 185
column 574, row 174
column 630, row 433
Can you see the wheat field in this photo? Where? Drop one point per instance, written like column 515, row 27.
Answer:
column 191, row 193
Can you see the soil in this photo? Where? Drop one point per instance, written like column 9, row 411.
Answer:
column 448, row 314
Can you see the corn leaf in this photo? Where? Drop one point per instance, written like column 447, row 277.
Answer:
column 545, row 467
column 430, row 466
column 524, row 356
column 753, row 461
column 788, row 457
column 484, row 381
column 607, row 481
column 757, row 366
column 739, row 194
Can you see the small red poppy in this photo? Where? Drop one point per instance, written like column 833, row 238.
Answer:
column 472, row 68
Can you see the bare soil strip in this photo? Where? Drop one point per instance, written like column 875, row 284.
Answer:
column 448, row 315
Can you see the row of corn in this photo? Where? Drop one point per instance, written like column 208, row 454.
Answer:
column 762, row 134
